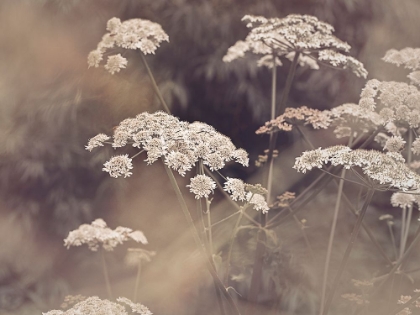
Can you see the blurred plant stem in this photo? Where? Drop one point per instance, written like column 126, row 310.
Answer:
column 202, row 248
column 256, row 277
column 155, row 87
column 346, row 256
column 106, row 274
column 136, row 287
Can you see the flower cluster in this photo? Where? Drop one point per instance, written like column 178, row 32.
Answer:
column 137, row 255
column 387, row 169
column 131, row 34
column 97, row 233
column 302, row 34
column 351, row 118
column 394, row 101
column 94, row 305
column 202, row 186
column 355, row 298
column 302, row 115
column 179, row 144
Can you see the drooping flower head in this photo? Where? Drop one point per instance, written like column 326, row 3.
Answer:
column 407, row 57
column 131, row 34
column 293, row 34
column 98, row 234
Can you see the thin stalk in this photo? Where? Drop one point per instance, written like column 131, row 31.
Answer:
column 346, row 256
column 232, row 241
column 201, row 247
column 136, row 287
column 403, row 222
column 330, row 241
column 106, row 274
column 261, row 236
column 155, row 87
column 366, row 228
column 410, row 208
column 394, row 246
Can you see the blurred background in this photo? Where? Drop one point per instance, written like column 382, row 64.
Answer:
column 51, row 104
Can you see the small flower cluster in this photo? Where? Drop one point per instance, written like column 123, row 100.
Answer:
column 355, row 298
column 94, row 305
column 253, row 194
column 387, row 169
column 137, row 255
column 351, row 118
column 304, row 115
column 131, row 34
column 179, row 144
column 394, row 101
column 409, row 58
column 97, row 233
column 284, row 200
column 304, row 34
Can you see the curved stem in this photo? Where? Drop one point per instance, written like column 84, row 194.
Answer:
column 155, row 87
column 346, row 256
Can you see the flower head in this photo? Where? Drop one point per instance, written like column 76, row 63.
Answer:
column 135, row 307
column 305, row 34
column 97, row 141
column 202, row 186
column 179, row 144
column 92, row 305
column 98, row 234
column 236, row 188
column 119, row 165
column 258, row 202
column 386, row 169
column 131, row 34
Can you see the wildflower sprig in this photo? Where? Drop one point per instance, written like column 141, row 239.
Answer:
column 179, row 144
column 303, row 34
column 98, row 234
column 131, row 34
column 407, row 57
column 293, row 116
column 95, row 305
column 386, row 169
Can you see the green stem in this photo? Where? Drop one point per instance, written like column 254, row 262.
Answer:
column 106, row 274
column 200, row 245
column 346, row 256
column 155, row 87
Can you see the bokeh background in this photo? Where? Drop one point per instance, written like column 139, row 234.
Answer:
column 51, row 104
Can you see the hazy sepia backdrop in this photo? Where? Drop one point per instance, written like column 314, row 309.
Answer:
column 51, row 104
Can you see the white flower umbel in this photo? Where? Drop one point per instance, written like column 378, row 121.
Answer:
column 135, row 307
column 303, row 34
column 119, row 165
column 92, row 305
column 179, row 144
column 393, row 101
column 131, row 34
column 387, row 169
column 402, row 200
column 202, row 186
column 394, row 144
column 236, row 188
column 98, row 234
column 258, row 201
column 97, row 141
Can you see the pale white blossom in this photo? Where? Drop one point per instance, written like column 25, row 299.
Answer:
column 115, row 63
column 202, row 186
column 92, row 305
column 119, row 165
column 394, row 144
column 97, row 141
column 294, row 33
column 98, row 234
column 258, row 202
column 402, row 200
column 135, row 307
column 236, row 188
column 386, row 169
